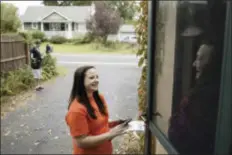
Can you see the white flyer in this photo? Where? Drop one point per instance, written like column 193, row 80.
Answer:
column 136, row 126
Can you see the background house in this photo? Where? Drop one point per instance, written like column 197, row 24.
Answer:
column 67, row 21
column 126, row 33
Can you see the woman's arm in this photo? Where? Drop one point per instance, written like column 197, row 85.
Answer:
column 91, row 141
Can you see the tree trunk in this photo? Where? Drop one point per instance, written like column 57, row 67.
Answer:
column 104, row 39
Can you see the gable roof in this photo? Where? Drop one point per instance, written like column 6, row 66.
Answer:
column 54, row 11
column 73, row 13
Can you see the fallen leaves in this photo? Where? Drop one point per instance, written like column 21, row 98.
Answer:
column 130, row 144
column 56, row 137
column 14, row 101
column 36, row 143
column 50, row 131
column 7, row 133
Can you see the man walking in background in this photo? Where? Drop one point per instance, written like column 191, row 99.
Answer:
column 48, row 49
column 36, row 64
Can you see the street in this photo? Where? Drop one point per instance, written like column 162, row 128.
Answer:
column 39, row 126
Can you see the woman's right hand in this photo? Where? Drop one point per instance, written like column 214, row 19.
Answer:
column 118, row 130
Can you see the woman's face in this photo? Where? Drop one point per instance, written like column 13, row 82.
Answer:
column 91, row 80
column 203, row 55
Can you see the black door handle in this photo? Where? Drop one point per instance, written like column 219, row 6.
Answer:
column 153, row 114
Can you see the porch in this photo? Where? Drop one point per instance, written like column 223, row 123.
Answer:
column 65, row 29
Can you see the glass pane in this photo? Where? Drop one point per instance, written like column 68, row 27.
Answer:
column 165, row 53
column 188, row 65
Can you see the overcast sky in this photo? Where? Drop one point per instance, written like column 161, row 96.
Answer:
column 22, row 5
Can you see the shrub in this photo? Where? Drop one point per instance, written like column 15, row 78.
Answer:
column 75, row 41
column 108, row 45
column 49, row 68
column 58, row 39
column 27, row 36
column 111, row 44
column 86, row 39
column 15, row 82
column 38, row 35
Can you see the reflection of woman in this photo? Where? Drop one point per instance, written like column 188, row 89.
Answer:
column 192, row 127
column 87, row 117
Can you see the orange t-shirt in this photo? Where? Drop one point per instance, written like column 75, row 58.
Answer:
column 80, row 123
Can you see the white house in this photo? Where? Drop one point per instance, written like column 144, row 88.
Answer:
column 67, row 21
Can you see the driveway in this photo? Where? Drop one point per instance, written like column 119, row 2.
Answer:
column 38, row 127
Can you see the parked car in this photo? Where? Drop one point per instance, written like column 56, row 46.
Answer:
column 129, row 39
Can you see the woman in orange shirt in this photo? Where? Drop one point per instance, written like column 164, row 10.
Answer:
column 88, row 116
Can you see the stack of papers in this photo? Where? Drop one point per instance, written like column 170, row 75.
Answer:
column 136, row 126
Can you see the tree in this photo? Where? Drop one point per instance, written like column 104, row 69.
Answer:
column 105, row 21
column 50, row 3
column 66, row 3
column 10, row 21
column 126, row 9
column 81, row 3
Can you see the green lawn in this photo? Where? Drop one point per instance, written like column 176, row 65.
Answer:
column 90, row 48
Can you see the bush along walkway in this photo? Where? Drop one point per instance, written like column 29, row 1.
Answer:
column 32, row 127
column 17, row 85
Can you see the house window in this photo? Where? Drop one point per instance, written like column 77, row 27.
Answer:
column 34, row 25
column 27, row 26
column 73, row 26
column 46, row 26
column 62, row 27
column 189, row 45
column 54, row 27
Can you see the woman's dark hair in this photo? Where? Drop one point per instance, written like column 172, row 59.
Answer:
column 79, row 92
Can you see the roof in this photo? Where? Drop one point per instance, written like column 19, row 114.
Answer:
column 127, row 28
column 74, row 13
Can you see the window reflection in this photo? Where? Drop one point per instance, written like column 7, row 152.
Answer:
column 192, row 125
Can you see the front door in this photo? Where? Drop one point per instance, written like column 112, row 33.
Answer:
column 189, row 77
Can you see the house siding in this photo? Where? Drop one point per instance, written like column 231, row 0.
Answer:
column 49, row 34
column 54, row 17
column 82, row 28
